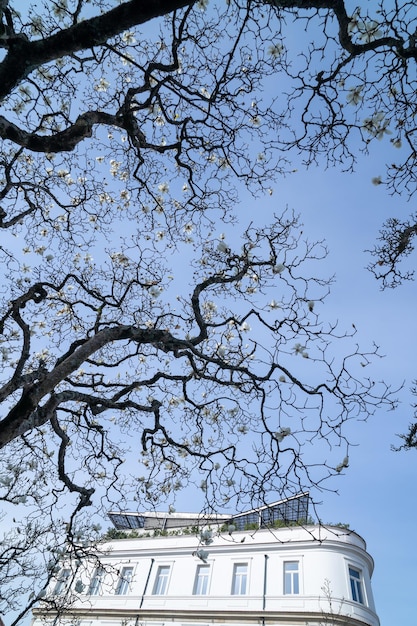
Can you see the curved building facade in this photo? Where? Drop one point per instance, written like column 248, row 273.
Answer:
column 297, row 575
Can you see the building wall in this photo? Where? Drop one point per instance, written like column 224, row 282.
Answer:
column 324, row 556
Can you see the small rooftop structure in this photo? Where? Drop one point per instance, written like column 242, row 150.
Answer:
column 288, row 510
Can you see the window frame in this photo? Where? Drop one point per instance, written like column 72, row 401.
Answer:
column 356, row 586
column 161, row 582
column 96, row 582
column 123, row 583
column 201, row 580
column 291, row 578
column 240, row 581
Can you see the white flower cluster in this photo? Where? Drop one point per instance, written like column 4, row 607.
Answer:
column 367, row 30
column 282, row 433
column 129, row 38
column 206, row 537
column 209, row 309
column 120, row 259
column 377, row 125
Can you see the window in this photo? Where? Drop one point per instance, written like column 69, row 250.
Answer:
column 95, row 584
column 356, row 585
column 62, row 582
column 240, row 577
column 291, row 578
column 201, row 580
column 161, row 581
column 124, row 581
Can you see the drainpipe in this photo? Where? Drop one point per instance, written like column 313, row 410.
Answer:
column 146, row 586
column 264, row 589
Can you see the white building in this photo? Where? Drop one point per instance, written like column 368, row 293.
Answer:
column 221, row 574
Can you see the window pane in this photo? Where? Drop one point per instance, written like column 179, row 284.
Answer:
column 62, row 582
column 95, row 584
column 291, row 578
column 124, row 581
column 356, row 585
column 201, row 580
column 161, row 581
column 239, row 583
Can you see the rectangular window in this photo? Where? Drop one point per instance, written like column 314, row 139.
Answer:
column 124, row 581
column 356, row 585
column 94, row 588
column 291, row 578
column 161, row 581
column 62, row 582
column 201, row 580
column 240, row 578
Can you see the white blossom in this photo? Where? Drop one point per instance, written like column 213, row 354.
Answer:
column 129, row 37
column 120, row 258
column 342, row 465
column 205, row 93
column 377, row 125
column 201, row 554
column 276, row 50
column 354, row 94
column 368, row 31
column 155, row 291
column 60, row 8
column 102, row 85
column 223, row 247
column 206, row 537
column 163, row 187
column 282, row 433
column 300, row 349
column 221, row 351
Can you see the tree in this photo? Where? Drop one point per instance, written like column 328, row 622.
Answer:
column 124, row 141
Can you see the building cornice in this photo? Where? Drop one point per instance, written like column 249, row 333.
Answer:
column 208, row 616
